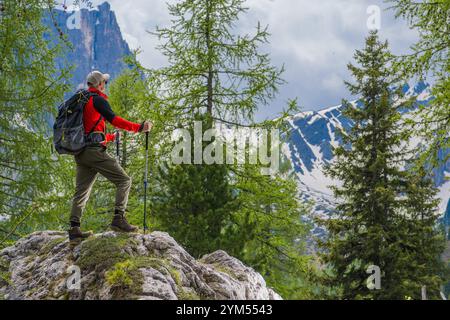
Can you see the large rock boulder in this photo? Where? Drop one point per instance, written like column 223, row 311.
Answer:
column 122, row 266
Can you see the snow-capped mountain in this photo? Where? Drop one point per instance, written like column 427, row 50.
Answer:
column 312, row 137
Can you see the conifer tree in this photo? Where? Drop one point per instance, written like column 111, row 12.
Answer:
column 430, row 59
column 386, row 215
column 194, row 204
column 212, row 70
column 219, row 77
column 30, row 90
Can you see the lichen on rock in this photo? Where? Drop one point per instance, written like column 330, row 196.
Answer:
column 122, row 266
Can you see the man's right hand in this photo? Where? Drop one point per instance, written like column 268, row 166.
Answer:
column 147, row 126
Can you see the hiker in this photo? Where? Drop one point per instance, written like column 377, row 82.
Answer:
column 94, row 159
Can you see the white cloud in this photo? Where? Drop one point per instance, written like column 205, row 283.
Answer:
column 315, row 40
column 135, row 19
column 332, row 83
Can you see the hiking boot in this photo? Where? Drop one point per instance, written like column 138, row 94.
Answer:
column 121, row 224
column 76, row 235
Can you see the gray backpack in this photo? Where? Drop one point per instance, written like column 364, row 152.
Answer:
column 69, row 136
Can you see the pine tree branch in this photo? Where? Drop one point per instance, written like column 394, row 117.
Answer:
column 15, row 196
column 29, row 98
column 236, row 124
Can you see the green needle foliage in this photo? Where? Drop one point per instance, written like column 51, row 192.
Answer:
column 30, row 88
column 386, row 214
column 210, row 68
column 430, row 59
column 218, row 77
column 195, row 204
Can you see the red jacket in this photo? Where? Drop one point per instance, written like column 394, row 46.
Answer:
column 93, row 112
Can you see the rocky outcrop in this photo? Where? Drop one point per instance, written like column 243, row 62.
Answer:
column 122, row 266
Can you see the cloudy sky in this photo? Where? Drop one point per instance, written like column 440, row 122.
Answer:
column 313, row 39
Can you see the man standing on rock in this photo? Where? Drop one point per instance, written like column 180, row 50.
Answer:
column 94, row 158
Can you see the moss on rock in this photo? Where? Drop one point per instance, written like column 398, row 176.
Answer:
column 5, row 275
column 125, row 276
column 103, row 252
column 188, row 295
column 124, row 279
column 225, row 270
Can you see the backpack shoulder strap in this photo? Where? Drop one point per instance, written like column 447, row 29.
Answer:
column 92, row 94
column 95, row 125
column 83, row 95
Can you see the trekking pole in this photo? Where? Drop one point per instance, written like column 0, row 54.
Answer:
column 118, row 145
column 145, row 181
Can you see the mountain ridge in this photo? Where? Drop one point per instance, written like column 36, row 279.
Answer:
column 309, row 148
column 96, row 38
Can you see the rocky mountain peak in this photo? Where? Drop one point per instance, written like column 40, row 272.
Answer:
column 96, row 39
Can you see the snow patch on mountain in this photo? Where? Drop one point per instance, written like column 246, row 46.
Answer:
column 310, row 147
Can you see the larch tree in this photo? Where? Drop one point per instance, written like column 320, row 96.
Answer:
column 30, row 90
column 221, row 78
column 430, row 59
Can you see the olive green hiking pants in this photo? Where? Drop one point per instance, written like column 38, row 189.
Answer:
column 90, row 162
